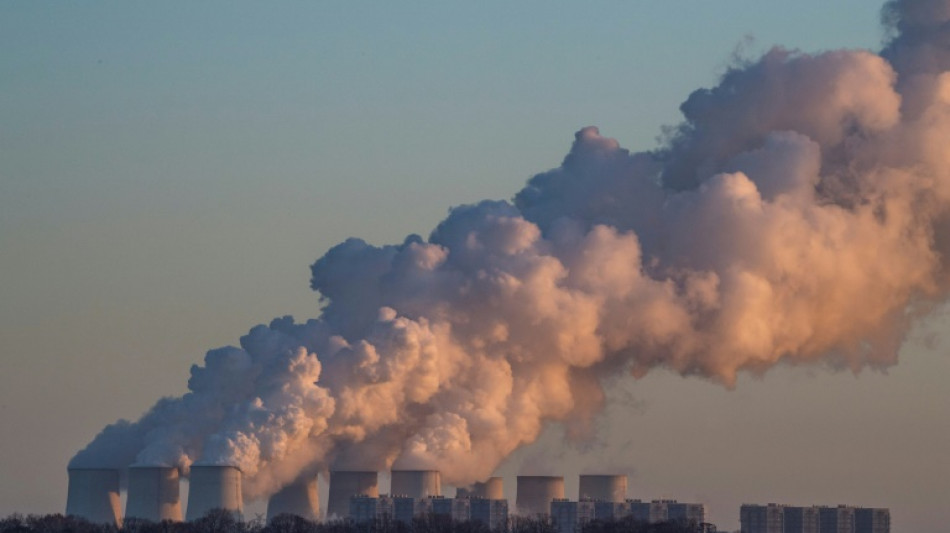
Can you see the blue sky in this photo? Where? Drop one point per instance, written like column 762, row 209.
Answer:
column 168, row 171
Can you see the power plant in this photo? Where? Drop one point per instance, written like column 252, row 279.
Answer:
column 535, row 494
column 300, row 498
column 214, row 487
column 417, row 484
column 344, row 484
column 490, row 489
column 93, row 494
column 418, row 493
column 607, row 488
column 153, row 494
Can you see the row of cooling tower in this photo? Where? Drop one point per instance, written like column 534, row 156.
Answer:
column 153, row 492
column 535, row 493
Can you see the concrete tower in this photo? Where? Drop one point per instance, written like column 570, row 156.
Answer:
column 153, row 494
column 608, row 488
column 345, row 484
column 418, row 484
column 214, row 487
column 300, row 498
column 490, row 489
column 535, row 494
column 94, row 495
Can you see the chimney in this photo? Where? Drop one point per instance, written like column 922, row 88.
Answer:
column 214, row 487
column 94, row 495
column 153, row 494
column 535, row 494
column 418, row 484
column 490, row 489
column 300, row 498
column 607, row 488
column 345, row 484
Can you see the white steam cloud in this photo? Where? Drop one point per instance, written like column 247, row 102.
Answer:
column 801, row 213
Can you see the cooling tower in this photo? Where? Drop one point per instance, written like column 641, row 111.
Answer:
column 535, row 494
column 300, row 498
column 345, row 484
column 214, row 487
column 603, row 488
column 153, row 494
column 418, row 484
column 94, row 495
column 490, row 489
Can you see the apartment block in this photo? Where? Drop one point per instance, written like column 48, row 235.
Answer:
column 777, row 518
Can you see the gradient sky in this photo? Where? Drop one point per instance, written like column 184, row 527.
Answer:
column 168, row 172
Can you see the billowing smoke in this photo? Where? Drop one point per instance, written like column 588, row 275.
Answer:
column 800, row 214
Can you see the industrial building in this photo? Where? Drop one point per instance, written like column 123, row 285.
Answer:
column 419, row 493
column 93, row 494
column 872, row 520
column 777, row 518
column 608, row 511
column 153, row 494
column 344, row 484
column 570, row 517
column 599, row 497
column 365, row 508
column 640, row 511
column 604, row 497
column 490, row 489
column 214, row 487
column 454, row 508
column 493, row 513
column 664, row 511
column 606, row 488
column 461, row 509
column 418, row 484
column 685, row 512
column 800, row 519
column 300, row 498
column 762, row 518
column 535, row 494
column 838, row 519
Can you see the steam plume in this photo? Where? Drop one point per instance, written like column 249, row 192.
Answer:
column 798, row 215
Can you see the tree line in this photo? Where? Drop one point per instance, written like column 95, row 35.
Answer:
column 221, row 521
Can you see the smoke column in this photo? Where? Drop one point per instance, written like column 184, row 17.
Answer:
column 800, row 214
